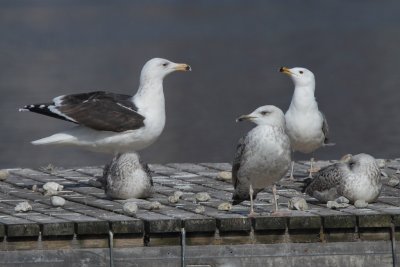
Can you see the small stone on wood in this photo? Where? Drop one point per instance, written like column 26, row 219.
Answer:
column 178, row 194
column 155, row 205
column 203, row 196
column 224, row 176
column 173, row 199
column 52, row 188
column 23, row 207
column 225, row 206
column 393, row 181
column 342, row 199
column 200, row 209
column 360, row 204
column 57, row 201
column 130, row 208
column 297, row 203
column 4, row 174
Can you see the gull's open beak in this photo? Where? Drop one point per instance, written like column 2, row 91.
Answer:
column 182, row 67
column 245, row 118
column 285, row 70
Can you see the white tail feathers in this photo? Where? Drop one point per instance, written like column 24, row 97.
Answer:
column 59, row 138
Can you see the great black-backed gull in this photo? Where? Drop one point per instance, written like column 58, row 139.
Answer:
column 109, row 122
column 306, row 125
column 354, row 177
column 262, row 156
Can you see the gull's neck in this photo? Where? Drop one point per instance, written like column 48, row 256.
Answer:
column 304, row 98
column 150, row 94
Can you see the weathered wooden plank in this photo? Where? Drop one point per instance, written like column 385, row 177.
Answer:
column 16, row 226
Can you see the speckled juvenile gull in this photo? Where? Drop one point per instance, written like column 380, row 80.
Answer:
column 306, row 125
column 354, row 177
column 109, row 122
column 262, row 156
column 127, row 177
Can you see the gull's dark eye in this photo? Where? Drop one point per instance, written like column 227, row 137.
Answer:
column 351, row 164
column 264, row 113
column 165, row 64
column 301, row 72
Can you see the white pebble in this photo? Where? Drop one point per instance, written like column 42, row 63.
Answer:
column 393, row 181
column 203, row 196
column 173, row 199
column 57, row 201
column 155, row 205
column 297, row 203
column 225, row 206
column 130, row 208
column 360, row 204
column 224, row 176
column 178, row 194
column 52, row 186
column 3, row 175
column 23, row 207
column 342, row 199
column 200, row 209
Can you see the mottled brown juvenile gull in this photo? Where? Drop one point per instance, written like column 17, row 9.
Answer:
column 127, row 177
column 262, row 156
column 306, row 125
column 109, row 122
column 354, row 177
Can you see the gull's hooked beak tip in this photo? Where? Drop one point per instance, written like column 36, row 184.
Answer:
column 183, row 67
column 285, row 70
column 244, row 118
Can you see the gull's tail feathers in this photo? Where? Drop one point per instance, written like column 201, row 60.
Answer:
column 55, row 139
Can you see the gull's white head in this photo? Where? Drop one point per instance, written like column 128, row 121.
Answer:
column 265, row 115
column 300, row 76
column 360, row 163
column 158, row 68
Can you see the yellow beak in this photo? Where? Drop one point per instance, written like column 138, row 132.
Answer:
column 182, row 67
column 285, row 70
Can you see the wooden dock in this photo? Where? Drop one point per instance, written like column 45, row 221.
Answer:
column 92, row 230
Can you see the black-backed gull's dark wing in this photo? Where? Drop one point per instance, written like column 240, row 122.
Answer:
column 100, row 110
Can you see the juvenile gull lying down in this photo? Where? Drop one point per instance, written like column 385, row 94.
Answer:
column 306, row 125
column 354, row 177
column 262, row 156
column 109, row 122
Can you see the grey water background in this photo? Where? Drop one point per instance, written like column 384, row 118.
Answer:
column 50, row 48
